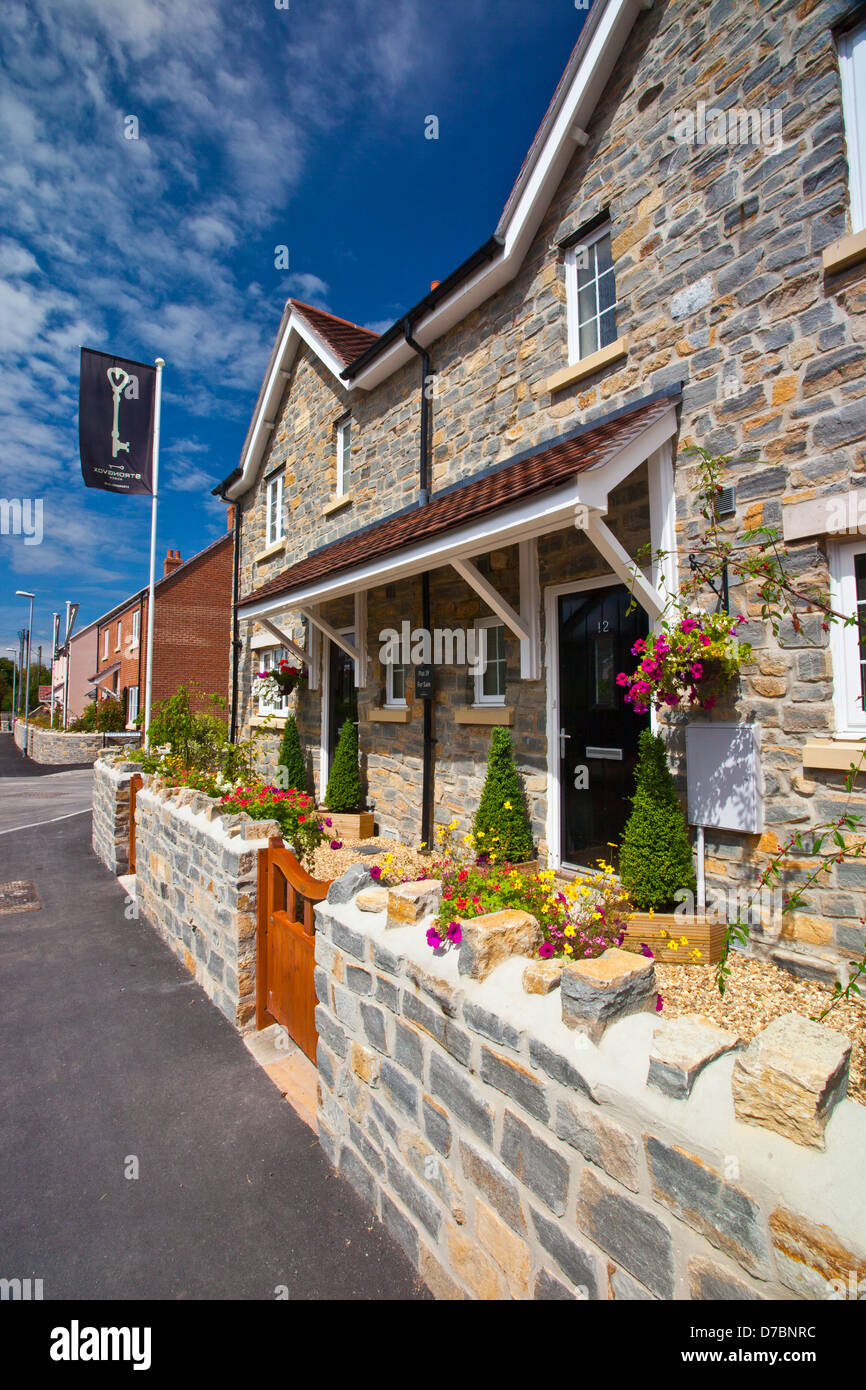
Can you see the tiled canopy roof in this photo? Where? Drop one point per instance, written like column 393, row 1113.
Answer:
column 471, row 499
column 346, row 339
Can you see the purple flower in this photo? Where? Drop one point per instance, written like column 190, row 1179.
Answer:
column 660, row 1003
column 545, row 950
column 454, row 933
column 697, row 670
column 433, row 938
column 688, row 625
column 375, row 871
column 328, row 822
column 645, row 951
column 336, row 844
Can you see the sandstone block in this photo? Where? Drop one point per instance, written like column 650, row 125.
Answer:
column 491, row 939
column 596, row 993
column 372, row 899
column 510, row 1253
column 812, row 1260
column 791, row 1077
column 409, row 902
column 682, row 1047
column 473, row 1268
column 601, row 1141
column 542, row 976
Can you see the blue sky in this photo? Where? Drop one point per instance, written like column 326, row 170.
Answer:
column 258, row 127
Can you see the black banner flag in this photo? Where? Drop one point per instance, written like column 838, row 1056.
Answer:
column 115, row 422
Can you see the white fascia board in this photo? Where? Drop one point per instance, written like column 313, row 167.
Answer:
column 600, row 480
column 296, row 330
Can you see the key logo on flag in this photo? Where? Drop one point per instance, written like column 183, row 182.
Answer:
column 115, row 422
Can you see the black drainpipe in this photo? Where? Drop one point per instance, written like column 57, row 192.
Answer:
column 427, row 776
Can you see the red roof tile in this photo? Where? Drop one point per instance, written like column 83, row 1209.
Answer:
column 467, row 501
column 346, row 339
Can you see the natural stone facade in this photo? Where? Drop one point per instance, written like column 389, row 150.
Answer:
column 720, row 288
column 511, row 1161
column 55, row 746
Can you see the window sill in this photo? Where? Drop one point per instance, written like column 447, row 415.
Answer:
column 832, row 755
column 484, row 714
column 390, row 714
column 848, row 250
column 588, row 366
column 268, row 721
column 336, row 503
column 270, row 550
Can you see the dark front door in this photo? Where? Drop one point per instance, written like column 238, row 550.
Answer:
column 344, row 695
column 598, row 730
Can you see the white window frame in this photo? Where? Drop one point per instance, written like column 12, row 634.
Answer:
column 844, row 645
column 269, row 657
column 393, row 701
column 344, row 449
column 119, row 634
column 131, row 706
column 274, row 530
column 136, row 625
column 482, row 626
column 852, row 72
column 572, row 297
column 106, row 638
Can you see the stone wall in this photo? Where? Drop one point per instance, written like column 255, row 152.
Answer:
column 55, row 746
column 196, row 878
column 513, row 1157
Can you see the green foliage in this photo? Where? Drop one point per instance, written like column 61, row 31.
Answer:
column 294, row 811
column 198, row 736
column 100, row 717
column 344, row 782
column 293, row 771
column 501, row 824
column 655, row 856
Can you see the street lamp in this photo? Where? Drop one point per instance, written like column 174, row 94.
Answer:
column 14, row 652
column 23, row 593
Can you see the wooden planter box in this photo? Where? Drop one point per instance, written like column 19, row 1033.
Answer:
column 350, row 825
column 703, row 934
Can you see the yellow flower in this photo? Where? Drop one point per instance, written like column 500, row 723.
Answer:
column 507, row 805
column 568, row 948
column 697, row 954
column 684, row 941
column 662, row 931
column 569, row 930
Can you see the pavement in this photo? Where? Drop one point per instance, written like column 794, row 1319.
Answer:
column 144, row 1151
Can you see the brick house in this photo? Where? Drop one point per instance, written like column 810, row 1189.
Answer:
column 192, row 631
column 681, row 260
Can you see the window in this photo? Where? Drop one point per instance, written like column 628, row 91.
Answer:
column 136, row 619
column 591, row 294
column 395, row 684
column 848, row 644
column 852, row 70
column 105, row 645
column 131, row 706
column 117, row 642
column 490, row 684
column 344, row 444
column 271, row 657
column 274, row 527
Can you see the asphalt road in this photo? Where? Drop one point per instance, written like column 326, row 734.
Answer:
column 109, row 1053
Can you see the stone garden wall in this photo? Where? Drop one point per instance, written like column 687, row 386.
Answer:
column 196, row 878
column 570, row 1144
column 55, row 746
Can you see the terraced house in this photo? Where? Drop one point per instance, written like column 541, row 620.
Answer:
column 681, row 261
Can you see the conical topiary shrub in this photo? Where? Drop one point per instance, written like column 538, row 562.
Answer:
column 502, row 808
column 292, row 768
column 344, row 782
column 655, row 858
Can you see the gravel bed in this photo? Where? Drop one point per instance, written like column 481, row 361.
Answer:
column 405, row 863
column 756, row 993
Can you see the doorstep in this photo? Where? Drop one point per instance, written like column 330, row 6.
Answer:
column 290, row 1070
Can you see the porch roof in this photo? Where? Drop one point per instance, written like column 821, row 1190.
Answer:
column 453, row 509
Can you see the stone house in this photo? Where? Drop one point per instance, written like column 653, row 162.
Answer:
column 680, row 262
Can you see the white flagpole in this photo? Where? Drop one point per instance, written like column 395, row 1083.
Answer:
column 157, row 408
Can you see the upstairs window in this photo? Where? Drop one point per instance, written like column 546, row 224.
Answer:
column 119, row 637
column 274, row 503
column 852, row 70
column 591, row 294
column 344, row 444
column 105, row 645
column 136, row 619
column 848, row 644
column 271, row 658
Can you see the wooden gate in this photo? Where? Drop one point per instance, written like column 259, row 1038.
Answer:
column 135, row 785
column 285, row 946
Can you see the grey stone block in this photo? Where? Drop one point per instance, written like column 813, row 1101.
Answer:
column 444, row 1030
column 330, row 1030
column 358, row 1176
column 546, row 1287
column 436, row 1126
column 399, row 1228
column 408, row 1051
column 374, row 1026
column 544, row 1171
column 414, row 1197
column 553, row 1064
column 515, row 1081
column 461, row 1097
column 577, row 1263
column 626, row 1230
column 401, row 1091
column 725, row 1214
column 352, row 942
column 344, row 888
column 490, row 1026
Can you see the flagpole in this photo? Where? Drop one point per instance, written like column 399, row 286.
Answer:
column 157, row 408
